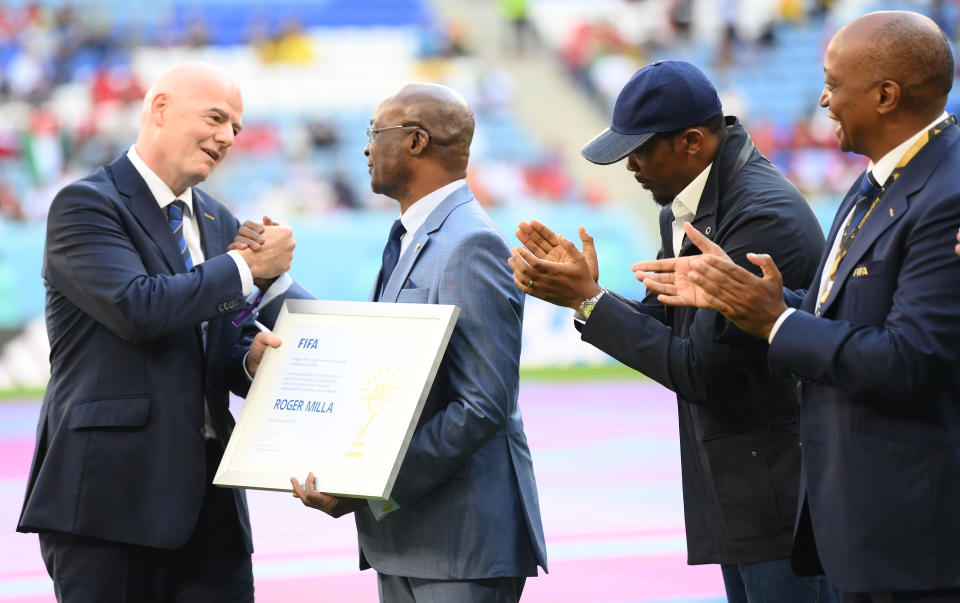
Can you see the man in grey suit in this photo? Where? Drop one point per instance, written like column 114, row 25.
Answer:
column 463, row 523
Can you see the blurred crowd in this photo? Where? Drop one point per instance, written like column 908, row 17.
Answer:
column 49, row 58
column 70, row 96
column 603, row 44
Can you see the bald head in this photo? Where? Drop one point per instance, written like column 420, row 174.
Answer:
column 189, row 119
column 443, row 113
column 419, row 141
column 186, row 77
column 907, row 48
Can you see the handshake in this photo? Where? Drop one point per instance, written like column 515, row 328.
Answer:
column 267, row 248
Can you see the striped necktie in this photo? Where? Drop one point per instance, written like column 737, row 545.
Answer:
column 175, row 217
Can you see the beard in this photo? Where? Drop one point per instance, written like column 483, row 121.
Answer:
column 662, row 201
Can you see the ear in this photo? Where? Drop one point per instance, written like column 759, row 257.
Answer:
column 888, row 96
column 693, row 139
column 418, row 142
column 158, row 107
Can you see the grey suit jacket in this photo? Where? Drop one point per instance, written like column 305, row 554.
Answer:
column 468, row 497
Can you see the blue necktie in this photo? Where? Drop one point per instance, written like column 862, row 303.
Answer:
column 391, row 253
column 869, row 190
column 175, row 217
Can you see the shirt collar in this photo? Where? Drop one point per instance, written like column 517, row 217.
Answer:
column 882, row 169
column 417, row 213
column 158, row 188
column 688, row 200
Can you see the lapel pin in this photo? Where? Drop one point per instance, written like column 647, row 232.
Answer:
column 417, row 248
column 209, row 216
column 891, row 212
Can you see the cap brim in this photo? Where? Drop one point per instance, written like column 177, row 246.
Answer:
column 610, row 147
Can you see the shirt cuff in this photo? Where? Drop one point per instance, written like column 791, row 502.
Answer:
column 382, row 508
column 776, row 325
column 245, row 371
column 246, row 277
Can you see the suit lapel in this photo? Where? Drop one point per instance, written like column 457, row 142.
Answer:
column 420, row 240
column 210, row 241
column 892, row 206
column 209, row 226
column 144, row 208
column 813, row 293
column 147, row 212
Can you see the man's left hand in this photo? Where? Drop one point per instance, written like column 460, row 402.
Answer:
column 565, row 283
column 545, row 244
column 334, row 506
column 261, row 342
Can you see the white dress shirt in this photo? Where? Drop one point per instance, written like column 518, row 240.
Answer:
column 684, row 207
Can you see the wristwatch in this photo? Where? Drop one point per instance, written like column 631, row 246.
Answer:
column 587, row 305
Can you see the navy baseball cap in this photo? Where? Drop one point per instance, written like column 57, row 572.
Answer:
column 662, row 97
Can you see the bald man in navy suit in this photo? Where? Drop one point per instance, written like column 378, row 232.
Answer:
column 874, row 341
column 142, row 298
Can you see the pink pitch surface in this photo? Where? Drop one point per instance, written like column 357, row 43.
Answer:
column 607, row 464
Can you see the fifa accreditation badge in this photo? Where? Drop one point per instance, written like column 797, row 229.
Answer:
column 376, row 396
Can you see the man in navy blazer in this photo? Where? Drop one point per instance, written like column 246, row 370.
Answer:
column 463, row 522
column 143, row 356
column 874, row 342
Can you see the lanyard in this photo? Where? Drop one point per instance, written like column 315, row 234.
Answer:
column 850, row 231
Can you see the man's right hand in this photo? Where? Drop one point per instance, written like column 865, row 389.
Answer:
column 334, row 506
column 275, row 254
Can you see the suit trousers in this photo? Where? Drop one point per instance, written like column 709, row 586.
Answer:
column 931, row 596
column 400, row 589
column 213, row 566
column 774, row 582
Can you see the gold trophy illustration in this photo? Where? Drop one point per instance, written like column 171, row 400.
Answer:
column 377, row 394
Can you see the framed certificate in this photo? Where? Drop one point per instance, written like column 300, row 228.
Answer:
column 340, row 397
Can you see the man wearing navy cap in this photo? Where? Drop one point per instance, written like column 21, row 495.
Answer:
column 738, row 423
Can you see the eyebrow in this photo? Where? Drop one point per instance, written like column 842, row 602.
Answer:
column 223, row 115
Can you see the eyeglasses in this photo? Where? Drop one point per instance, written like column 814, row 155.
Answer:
column 372, row 132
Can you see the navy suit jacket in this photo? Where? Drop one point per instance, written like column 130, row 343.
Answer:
column 120, row 454
column 880, row 390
